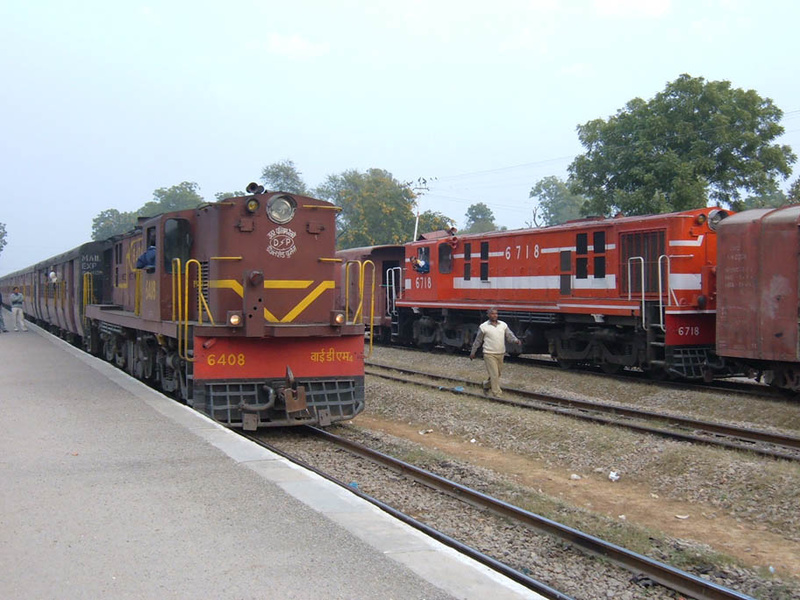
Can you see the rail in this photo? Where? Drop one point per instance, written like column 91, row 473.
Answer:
column 761, row 442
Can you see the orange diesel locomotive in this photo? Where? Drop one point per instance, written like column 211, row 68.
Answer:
column 619, row 292
column 236, row 313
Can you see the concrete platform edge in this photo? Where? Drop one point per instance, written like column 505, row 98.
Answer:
column 435, row 562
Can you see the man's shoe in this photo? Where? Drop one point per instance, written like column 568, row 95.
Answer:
column 485, row 385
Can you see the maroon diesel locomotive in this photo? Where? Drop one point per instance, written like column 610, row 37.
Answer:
column 232, row 307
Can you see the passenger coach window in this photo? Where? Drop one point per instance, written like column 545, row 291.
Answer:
column 177, row 242
column 445, row 258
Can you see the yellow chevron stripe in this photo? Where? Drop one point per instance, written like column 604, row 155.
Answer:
column 279, row 284
column 229, row 284
column 313, row 295
column 286, row 284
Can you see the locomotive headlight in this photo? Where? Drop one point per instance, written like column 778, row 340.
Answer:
column 337, row 317
column 715, row 217
column 234, row 318
column 280, row 209
column 252, row 205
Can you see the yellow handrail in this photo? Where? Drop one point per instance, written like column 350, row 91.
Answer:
column 137, row 293
column 177, row 303
column 201, row 304
column 347, row 266
column 372, row 299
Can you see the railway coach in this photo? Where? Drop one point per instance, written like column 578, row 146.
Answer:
column 237, row 312
column 758, row 283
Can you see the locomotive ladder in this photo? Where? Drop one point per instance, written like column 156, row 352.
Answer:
column 394, row 287
column 655, row 327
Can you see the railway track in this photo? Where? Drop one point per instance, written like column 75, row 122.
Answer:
column 765, row 443
column 729, row 386
column 646, row 571
column 743, row 388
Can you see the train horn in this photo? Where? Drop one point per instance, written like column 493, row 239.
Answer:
column 254, row 188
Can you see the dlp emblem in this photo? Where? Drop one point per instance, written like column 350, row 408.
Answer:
column 281, row 242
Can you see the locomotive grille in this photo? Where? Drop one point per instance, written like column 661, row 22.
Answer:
column 648, row 246
column 545, row 318
column 341, row 398
column 688, row 362
column 204, row 270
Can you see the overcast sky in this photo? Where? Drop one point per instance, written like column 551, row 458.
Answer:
column 104, row 101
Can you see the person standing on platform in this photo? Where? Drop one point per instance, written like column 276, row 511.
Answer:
column 16, row 310
column 492, row 337
column 2, row 322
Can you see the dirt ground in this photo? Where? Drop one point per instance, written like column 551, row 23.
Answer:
column 746, row 542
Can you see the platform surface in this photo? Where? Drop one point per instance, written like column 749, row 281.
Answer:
column 112, row 490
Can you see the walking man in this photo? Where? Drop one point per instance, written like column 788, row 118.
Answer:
column 2, row 322
column 16, row 310
column 492, row 336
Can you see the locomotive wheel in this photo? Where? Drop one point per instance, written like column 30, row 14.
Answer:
column 109, row 350
column 610, row 368
column 566, row 363
column 657, row 373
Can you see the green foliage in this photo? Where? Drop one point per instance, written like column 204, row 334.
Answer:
column 794, row 192
column 694, row 141
column 434, row 221
column 557, row 204
column 111, row 222
column 376, row 208
column 2, row 237
column 480, row 219
column 178, row 197
column 220, row 196
column 283, row 177
column 771, row 199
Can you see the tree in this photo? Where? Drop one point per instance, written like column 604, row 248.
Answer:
column 284, row 177
column 771, row 199
column 480, row 219
column 220, row 196
column 178, row 197
column 696, row 141
column 376, row 208
column 557, row 203
column 794, row 192
column 2, row 237
column 434, row 221
column 111, row 222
